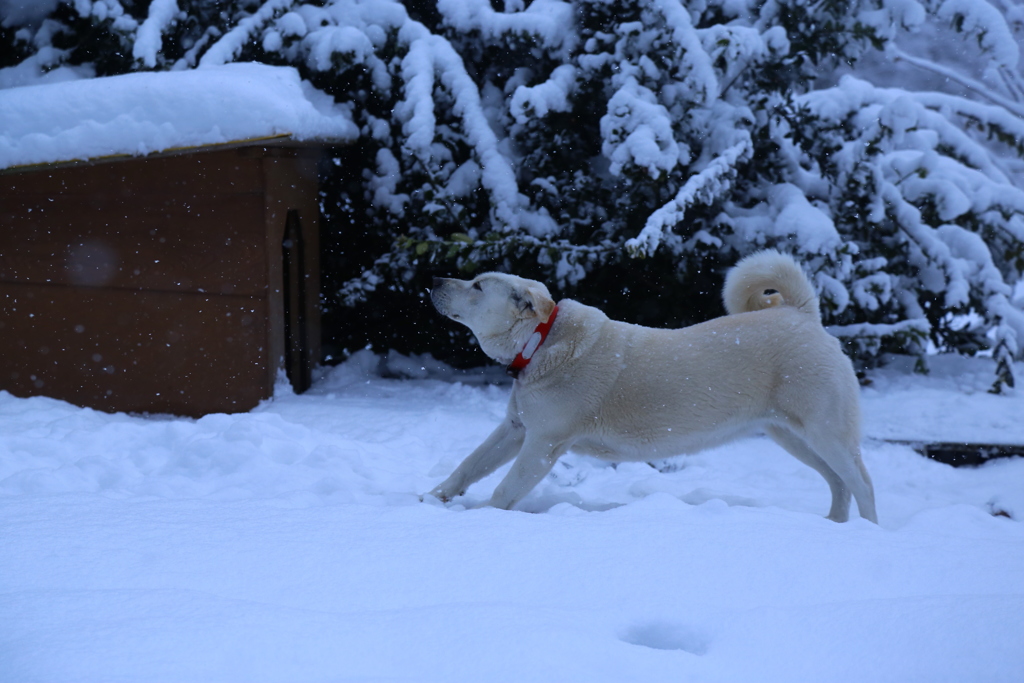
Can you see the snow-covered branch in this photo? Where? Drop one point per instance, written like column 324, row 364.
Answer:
column 546, row 21
column 431, row 56
column 703, row 187
column 149, row 38
column 975, row 86
column 231, row 43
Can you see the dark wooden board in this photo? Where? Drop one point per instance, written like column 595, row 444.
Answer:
column 220, row 172
column 120, row 350
column 125, row 236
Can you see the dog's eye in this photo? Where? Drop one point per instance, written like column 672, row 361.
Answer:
column 476, row 286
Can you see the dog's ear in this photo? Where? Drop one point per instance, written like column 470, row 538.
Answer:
column 537, row 298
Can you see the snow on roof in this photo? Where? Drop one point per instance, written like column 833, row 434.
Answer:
column 142, row 113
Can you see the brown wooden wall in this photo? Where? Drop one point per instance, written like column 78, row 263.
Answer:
column 155, row 284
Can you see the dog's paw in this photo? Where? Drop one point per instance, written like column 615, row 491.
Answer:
column 435, row 495
column 565, row 474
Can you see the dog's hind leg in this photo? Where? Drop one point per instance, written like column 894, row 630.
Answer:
column 842, row 454
column 501, row 446
column 798, row 448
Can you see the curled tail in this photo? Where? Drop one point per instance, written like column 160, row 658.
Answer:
column 765, row 279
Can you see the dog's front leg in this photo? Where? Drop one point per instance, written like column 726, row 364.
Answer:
column 500, row 447
column 538, row 455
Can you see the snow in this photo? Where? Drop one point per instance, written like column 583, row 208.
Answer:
column 552, row 95
column 17, row 12
column 289, row 543
column 989, row 26
column 149, row 38
column 432, row 61
column 787, row 215
column 637, row 131
column 142, row 113
column 700, row 77
column 544, row 21
column 701, row 187
column 343, row 40
column 230, row 45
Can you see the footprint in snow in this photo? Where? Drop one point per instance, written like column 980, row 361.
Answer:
column 666, row 635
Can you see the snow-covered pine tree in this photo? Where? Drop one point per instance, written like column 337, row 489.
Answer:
column 628, row 151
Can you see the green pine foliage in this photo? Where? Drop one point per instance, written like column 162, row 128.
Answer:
column 627, row 152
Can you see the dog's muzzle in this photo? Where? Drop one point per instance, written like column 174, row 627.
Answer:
column 439, row 295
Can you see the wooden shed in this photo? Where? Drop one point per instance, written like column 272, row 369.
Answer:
column 182, row 281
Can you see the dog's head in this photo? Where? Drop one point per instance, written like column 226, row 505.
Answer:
column 501, row 310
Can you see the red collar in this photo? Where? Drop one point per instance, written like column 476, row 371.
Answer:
column 536, row 339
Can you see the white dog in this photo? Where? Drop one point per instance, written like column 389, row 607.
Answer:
column 624, row 392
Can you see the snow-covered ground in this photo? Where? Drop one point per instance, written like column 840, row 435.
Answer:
column 289, row 544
